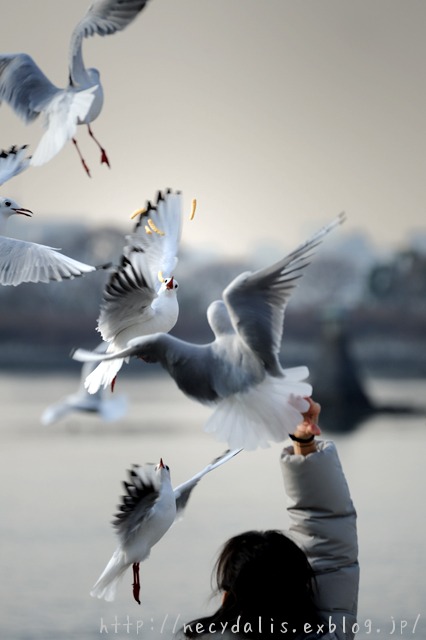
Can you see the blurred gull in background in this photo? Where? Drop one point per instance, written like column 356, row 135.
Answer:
column 108, row 409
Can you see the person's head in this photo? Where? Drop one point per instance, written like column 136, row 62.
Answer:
column 264, row 574
column 263, row 568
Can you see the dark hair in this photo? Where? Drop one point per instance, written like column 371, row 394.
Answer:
column 268, row 587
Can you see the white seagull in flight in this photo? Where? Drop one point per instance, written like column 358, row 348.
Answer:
column 108, row 407
column 140, row 296
column 22, row 261
column 239, row 373
column 146, row 512
column 12, row 162
column 25, row 87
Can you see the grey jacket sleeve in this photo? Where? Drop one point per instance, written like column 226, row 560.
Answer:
column 323, row 523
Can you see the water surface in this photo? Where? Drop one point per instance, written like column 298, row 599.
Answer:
column 60, row 486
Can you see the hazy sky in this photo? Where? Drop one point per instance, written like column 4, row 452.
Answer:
column 275, row 114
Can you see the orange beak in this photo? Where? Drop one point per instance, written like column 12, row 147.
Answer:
column 169, row 285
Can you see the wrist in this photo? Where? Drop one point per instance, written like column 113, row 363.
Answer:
column 303, row 446
column 304, row 440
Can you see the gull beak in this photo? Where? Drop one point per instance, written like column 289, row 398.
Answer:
column 24, row 212
column 161, row 465
column 169, row 285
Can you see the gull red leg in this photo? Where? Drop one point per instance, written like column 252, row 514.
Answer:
column 104, row 157
column 83, row 162
column 136, row 582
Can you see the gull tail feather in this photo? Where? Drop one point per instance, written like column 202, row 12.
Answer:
column 106, row 585
column 103, row 375
column 62, row 117
column 264, row 414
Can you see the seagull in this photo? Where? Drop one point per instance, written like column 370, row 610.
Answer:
column 239, row 374
column 28, row 91
column 147, row 511
column 109, row 408
column 140, row 296
column 22, row 261
column 12, row 162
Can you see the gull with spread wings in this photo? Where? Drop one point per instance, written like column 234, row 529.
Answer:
column 140, row 296
column 22, row 261
column 239, row 373
column 29, row 92
column 147, row 511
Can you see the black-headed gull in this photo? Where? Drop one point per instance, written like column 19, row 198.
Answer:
column 12, row 162
column 239, row 373
column 22, row 261
column 107, row 406
column 25, row 87
column 146, row 512
column 140, row 296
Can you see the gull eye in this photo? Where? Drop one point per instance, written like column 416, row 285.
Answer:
column 7, row 203
column 176, row 285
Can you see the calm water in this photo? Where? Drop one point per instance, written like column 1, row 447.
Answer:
column 60, row 486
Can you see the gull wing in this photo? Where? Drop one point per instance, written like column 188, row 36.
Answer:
column 74, row 402
column 12, row 162
column 22, row 261
column 61, row 117
column 256, row 301
column 150, row 252
column 142, row 490
column 158, row 232
column 190, row 365
column 103, row 18
column 24, row 86
column 183, row 491
column 127, row 296
column 108, row 409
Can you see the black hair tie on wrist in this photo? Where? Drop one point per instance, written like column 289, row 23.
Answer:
column 301, row 440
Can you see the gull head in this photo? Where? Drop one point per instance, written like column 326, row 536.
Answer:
column 169, row 284
column 94, row 75
column 9, row 207
column 218, row 318
column 163, row 469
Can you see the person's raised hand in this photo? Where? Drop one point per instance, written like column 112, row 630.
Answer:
column 309, row 426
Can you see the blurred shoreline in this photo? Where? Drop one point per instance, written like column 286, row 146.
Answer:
column 377, row 303
column 374, row 350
